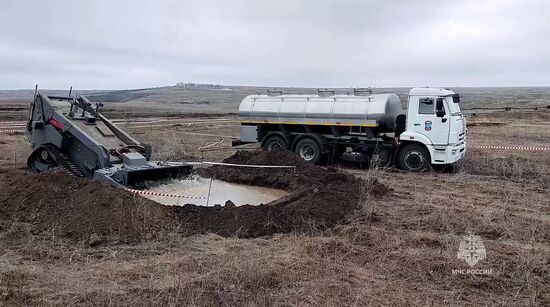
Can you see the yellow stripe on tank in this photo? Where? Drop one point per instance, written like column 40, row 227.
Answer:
column 308, row 123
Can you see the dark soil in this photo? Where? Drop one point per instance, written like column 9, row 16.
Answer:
column 62, row 206
column 84, row 210
column 319, row 198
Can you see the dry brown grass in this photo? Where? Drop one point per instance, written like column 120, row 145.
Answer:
column 187, row 143
column 15, row 149
column 517, row 166
column 510, row 128
column 363, row 263
column 416, row 234
column 397, row 250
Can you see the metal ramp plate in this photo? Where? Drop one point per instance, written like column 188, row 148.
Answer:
column 101, row 134
column 104, row 129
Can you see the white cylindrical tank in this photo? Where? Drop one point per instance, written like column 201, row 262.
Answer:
column 376, row 111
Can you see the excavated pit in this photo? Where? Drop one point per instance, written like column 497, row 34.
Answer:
column 78, row 209
column 319, row 198
column 211, row 192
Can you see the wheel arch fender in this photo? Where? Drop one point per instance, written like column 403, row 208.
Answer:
column 415, row 137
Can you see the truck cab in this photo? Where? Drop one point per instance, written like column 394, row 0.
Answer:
column 434, row 120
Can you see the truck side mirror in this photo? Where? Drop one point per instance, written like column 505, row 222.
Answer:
column 456, row 98
column 439, row 109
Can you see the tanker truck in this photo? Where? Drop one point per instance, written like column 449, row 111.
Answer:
column 358, row 126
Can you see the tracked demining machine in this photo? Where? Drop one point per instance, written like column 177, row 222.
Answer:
column 70, row 133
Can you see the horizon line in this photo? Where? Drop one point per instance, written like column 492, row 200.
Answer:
column 275, row 87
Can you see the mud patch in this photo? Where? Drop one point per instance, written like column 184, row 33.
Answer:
column 319, row 198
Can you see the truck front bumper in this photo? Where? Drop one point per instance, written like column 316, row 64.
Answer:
column 448, row 154
column 456, row 153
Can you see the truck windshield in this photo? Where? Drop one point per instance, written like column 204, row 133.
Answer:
column 453, row 107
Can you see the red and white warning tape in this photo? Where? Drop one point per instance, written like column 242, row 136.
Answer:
column 10, row 131
column 522, row 148
column 163, row 194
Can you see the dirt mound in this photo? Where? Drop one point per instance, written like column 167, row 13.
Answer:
column 319, row 198
column 284, row 158
column 60, row 205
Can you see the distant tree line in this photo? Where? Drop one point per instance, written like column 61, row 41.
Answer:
column 198, row 85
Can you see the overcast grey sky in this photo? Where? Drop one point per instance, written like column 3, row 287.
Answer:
column 112, row 44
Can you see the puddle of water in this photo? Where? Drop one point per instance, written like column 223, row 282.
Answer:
column 220, row 192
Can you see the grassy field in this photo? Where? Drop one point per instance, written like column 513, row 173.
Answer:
column 397, row 249
column 186, row 100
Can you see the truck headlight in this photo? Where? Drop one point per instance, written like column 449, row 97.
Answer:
column 453, row 152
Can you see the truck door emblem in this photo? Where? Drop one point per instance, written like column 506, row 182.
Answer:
column 428, row 125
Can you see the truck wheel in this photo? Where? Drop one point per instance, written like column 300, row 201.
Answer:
column 275, row 143
column 309, row 150
column 414, row 158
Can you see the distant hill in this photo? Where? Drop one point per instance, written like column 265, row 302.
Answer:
column 8, row 96
column 226, row 98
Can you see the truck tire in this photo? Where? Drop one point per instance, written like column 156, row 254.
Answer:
column 414, row 158
column 275, row 142
column 308, row 150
